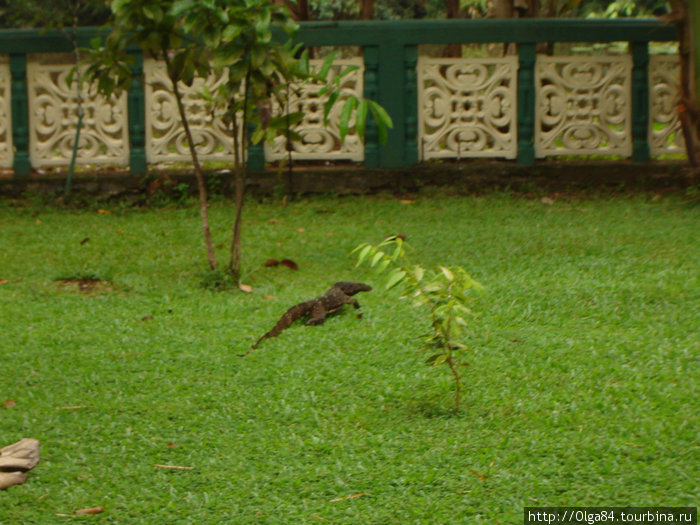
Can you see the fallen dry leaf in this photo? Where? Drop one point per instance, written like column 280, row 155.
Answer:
column 4, row 281
column 271, row 262
column 86, row 239
column 172, row 445
column 9, row 403
column 147, row 318
column 38, row 221
column 91, row 510
column 76, row 407
column 477, row 473
column 173, row 467
column 268, row 297
column 406, row 201
column 351, row 496
column 301, row 230
column 245, row 288
column 289, row 264
column 547, row 200
column 273, row 221
column 104, row 212
column 318, row 517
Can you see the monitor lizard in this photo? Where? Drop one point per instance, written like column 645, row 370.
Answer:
column 317, row 309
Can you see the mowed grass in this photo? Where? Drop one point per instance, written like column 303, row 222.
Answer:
column 581, row 389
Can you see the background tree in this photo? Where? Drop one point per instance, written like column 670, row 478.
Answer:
column 151, row 26
column 260, row 69
column 238, row 39
column 686, row 15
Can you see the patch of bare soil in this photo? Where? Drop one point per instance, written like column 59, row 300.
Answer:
column 86, row 286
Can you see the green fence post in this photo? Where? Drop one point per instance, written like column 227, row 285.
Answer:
column 20, row 114
column 137, row 117
column 526, row 103
column 371, row 59
column 392, row 96
column 410, row 60
column 256, row 153
column 640, row 101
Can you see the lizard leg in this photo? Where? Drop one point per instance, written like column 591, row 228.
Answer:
column 318, row 315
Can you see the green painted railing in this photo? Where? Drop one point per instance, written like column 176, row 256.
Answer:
column 390, row 55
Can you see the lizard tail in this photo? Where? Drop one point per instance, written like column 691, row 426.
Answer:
column 285, row 321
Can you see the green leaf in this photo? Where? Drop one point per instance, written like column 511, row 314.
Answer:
column 182, row 7
column 257, row 135
column 394, row 278
column 326, row 65
column 436, row 360
column 361, row 119
column 363, row 254
column 377, row 257
column 329, row 105
column 231, row 32
column 383, row 265
column 447, row 273
column 304, row 63
column 383, row 120
column 345, row 116
column 69, row 77
column 343, row 73
column 418, row 273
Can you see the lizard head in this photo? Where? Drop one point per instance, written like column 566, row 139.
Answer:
column 351, row 288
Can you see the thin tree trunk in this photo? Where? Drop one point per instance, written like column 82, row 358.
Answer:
column 78, row 96
column 458, row 380
column 239, row 178
column 452, row 10
column 366, row 9
column 203, row 205
column 688, row 111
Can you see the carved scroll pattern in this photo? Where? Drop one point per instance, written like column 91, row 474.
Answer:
column 53, row 119
column 583, row 105
column 467, row 107
column 165, row 135
column 6, row 153
column 319, row 142
column 665, row 134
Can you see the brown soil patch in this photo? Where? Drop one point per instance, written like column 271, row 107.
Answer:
column 87, row 286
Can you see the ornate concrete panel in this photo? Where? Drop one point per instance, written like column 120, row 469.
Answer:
column 319, row 142
column 583, row 105
column 6, row 153
column 467, row 107
column 665, row 134
column 165, row 135
column 53, row 118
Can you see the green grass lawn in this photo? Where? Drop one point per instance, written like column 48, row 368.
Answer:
column 581, row 389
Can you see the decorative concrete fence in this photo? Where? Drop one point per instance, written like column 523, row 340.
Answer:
column 523, row 106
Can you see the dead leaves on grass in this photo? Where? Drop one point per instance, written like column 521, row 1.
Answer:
column 284, row 262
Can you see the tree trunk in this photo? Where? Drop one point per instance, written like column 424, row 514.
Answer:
column 452, row 11
column 687, row 18
column 234, row 264
column 203, row 205
column 366, row 9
